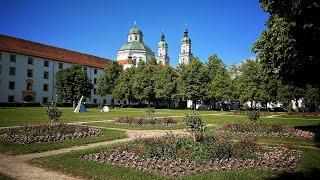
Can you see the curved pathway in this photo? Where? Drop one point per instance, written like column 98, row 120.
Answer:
column 18, row 168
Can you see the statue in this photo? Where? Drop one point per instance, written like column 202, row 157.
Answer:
column 105, row 109
column 80, row 107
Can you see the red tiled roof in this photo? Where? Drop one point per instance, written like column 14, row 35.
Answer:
column 21, row 46
column 125, row 61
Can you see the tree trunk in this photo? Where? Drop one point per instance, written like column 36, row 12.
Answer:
column 221, row 108
column 297, row 104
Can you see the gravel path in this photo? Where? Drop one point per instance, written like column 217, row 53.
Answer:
column 18, row 168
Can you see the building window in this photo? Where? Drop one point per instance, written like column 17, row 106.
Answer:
column 45, row 87
column 29, row 85
column 12, row 58
column 10, row 98
column 60, row 65
column 46, row 63
column 104, row 101
column 30, row 60
column 30, row 73
column 95, row 101
column 95, row 71
column 0, row 56
column 44, row 100
column 11, row 85
column 45, row 75
column 0, row 68
column 95, row 81
column 12, row 71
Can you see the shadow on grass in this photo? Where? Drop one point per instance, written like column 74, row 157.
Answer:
column 312, row 128
column 313, row 173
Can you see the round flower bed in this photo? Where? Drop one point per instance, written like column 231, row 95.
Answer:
column 145, row 122
column 262, row 129
column 161, row 156
column 47, row 133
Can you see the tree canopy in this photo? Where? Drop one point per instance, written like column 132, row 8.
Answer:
column 72, row 83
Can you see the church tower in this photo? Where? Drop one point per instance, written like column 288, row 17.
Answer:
column 163, row 57
column 185, row 54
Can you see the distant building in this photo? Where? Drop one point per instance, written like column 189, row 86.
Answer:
column 163, row 57
column 28, row 70
column 185, row 55
column 134, row 51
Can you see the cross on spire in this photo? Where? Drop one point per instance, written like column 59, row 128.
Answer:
column 135, row 23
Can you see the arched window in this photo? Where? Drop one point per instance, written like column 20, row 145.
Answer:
column 136, row 38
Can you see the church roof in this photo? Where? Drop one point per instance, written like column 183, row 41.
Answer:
column 135, row 46
column 30, row 48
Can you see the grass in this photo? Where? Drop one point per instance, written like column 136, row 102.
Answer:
column 102, row 124
column 71, row 164
column 14, row 149
column 33, row 115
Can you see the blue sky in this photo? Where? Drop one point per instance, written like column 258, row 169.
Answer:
column 99, row 27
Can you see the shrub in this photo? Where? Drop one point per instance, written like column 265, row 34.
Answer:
column 253, row 115
column 53, row 113
column 195, row 125
column 150, row 112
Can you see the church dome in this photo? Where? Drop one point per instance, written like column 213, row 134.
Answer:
column 186, row 39
column 135, row 46
column 135, row 30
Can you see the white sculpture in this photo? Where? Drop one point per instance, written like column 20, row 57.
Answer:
column 105, row 109
column 80, row 107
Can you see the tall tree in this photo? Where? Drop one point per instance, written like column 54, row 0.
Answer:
column 192, row 81
column 123, row 87
column 107, row 81
column 220, row 86
column 165, row 84
column 143, row 83
column 289, row 44
column 211, row 67
column 251, row 84
column 72, row 83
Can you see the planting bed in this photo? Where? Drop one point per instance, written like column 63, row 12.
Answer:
column 47, row 133
column 146, row 122
column 262, row 129
column 180, row 156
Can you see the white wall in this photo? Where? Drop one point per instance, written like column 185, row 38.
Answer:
column 38, row 67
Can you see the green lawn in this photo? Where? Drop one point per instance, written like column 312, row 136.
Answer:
column 32, row 115
column 102, row 124
column 13, row 149
column 71, row 164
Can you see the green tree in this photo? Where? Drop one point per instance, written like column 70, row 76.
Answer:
column 251, row 84
column 165, row 84
column 143, row 83
column 211, row 67
column 192, row 81
column 288, row 45
column 107, row 81
column 123, row 88
column 72, row 83
column 220, row 86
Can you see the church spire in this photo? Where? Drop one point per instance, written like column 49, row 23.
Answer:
column 162, row 50
column 185, row 54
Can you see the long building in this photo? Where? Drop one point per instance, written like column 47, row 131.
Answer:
column 28, row 69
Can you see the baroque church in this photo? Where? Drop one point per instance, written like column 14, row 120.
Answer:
column 134, row 51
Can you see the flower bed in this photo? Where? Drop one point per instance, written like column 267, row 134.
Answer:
column 145, row 122
column 178, row 156
column 47, row 133
column 262, row 129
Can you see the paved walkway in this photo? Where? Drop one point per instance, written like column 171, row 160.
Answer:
column 18, row 168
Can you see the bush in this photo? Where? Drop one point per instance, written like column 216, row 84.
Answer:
column 53, row 113
column 195, row 125
column 253, row 115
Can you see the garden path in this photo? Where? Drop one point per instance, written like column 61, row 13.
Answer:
column 17, row 166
